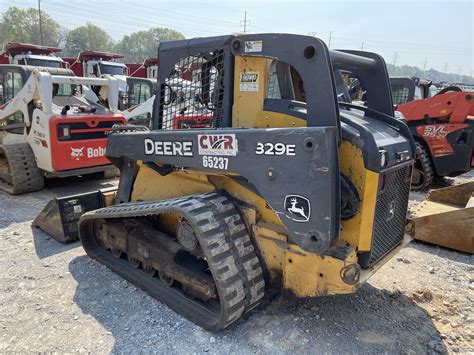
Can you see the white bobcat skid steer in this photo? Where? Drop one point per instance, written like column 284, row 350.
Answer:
column 49, row 127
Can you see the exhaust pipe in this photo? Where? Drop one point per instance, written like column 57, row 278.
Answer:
column 65, row 110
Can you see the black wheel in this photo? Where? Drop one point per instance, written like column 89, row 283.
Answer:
column 423, row 173
column 167, row 280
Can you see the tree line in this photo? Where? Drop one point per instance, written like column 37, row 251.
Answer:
column 17, row 25
column 431, row 74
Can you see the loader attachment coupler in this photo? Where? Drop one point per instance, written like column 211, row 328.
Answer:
column 60, row 216
column 446, row 218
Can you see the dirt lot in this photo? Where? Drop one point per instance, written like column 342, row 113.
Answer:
column 54, row 298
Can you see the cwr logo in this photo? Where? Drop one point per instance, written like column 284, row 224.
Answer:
column 298, row 208
column 77, row 153
column 217, row 144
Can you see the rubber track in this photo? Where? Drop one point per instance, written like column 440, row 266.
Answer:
column 225, row 243
column 423, row 157
column 25, row 176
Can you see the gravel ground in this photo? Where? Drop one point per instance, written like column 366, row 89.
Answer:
column 54, row 298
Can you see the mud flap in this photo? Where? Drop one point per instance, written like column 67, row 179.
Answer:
column 446, row 218
column 60, row 216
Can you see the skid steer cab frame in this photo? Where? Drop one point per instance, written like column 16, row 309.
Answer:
column 295, row 170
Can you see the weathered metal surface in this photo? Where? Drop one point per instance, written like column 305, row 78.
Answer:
column 446, row 218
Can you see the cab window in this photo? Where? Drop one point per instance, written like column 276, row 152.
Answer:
column 139, row 93
column 418, row 93
column 284, row 83
column 399, row 94
column 12, row 84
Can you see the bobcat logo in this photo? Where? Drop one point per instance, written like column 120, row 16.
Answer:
column 298, row 208
column 77, row 153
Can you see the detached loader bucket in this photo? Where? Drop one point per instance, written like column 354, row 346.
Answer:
column 446, row 218
column 60, row 216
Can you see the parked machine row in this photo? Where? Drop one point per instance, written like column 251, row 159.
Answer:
column 256, row 170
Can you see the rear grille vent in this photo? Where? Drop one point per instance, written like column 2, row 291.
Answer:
column 390, row 214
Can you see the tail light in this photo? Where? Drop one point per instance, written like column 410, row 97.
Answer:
column 63, row 132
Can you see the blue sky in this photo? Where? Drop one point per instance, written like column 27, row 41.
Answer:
column 407, row 32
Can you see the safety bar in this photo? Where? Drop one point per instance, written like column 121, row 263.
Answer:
column 343, row 60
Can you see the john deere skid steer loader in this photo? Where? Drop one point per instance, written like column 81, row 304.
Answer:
column 287, row 187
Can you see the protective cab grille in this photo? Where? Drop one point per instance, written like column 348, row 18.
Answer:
column 390, row 213
column 192, row 96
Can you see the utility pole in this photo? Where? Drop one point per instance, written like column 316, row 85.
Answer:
column 424, row 65
column 362, row 46
column 446, row 71
column 330, row 37
column 245, row 23
column 41, row 25
column 395, row 58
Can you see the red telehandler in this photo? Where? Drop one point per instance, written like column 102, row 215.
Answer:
column 442, row 125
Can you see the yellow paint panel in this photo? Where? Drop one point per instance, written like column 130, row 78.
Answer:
column 264, row 212
column 180, row 183
column 268, row 119
column 247, row 104
column 300, row 273
column 358, row 230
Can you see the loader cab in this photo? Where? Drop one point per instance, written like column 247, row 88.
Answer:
column 12, row 79
column 405, row 89
column 97, row 68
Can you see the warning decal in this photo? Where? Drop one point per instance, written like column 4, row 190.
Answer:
column 249, row 81
column 253, row 46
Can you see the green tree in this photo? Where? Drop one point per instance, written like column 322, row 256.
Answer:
column 144, row 44
column 17, row 25
column 87, row 38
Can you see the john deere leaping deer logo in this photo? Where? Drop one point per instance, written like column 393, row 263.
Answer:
column 77, row 153
column 298, row 208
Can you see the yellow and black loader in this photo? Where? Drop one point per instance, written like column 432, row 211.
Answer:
column 288, row 186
